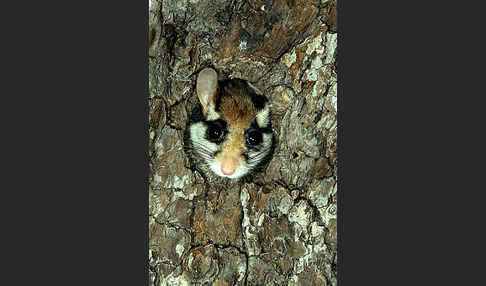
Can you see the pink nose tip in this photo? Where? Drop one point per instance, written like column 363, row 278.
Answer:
column 228, row 165
column 227, row 171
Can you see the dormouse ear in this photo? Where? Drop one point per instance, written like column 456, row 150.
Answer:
column 207, row 84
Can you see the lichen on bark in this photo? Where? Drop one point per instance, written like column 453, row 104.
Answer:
column 280, row 227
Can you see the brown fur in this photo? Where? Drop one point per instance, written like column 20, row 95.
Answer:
column 237, row 109
column 235, row 142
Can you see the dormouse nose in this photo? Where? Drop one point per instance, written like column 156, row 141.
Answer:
column 228, row 165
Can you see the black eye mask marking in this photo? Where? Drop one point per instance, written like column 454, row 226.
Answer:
column 254, row 137
column 257, row 100
column 216, row 131
column 255, row 126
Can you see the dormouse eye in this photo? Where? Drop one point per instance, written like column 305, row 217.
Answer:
column 216, row 131
column 254, row 138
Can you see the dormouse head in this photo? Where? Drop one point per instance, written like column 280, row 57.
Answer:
column 231, row 129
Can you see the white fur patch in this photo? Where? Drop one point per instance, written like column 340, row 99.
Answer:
column 212, row 114
column 263, row 117
column 267, row 140
column 197, row 131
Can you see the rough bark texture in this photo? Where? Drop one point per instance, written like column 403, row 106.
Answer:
column 279, row 228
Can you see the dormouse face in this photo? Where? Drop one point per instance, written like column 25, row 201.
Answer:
column 231, row 130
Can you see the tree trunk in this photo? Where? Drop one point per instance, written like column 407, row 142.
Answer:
column 279, row 228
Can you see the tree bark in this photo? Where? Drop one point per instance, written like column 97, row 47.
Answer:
column 279, row 228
